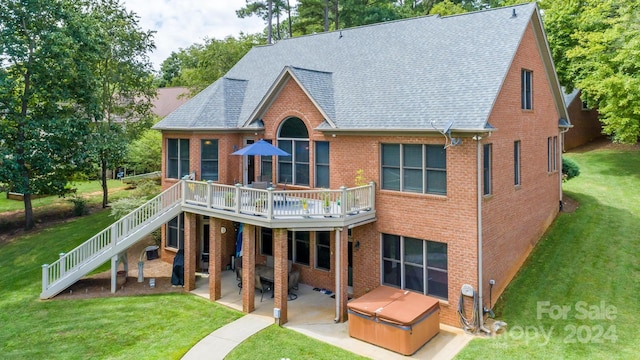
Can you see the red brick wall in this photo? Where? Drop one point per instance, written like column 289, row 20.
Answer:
column 586, row 125
column 515, row 217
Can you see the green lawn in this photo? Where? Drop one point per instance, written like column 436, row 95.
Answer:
column 577, row 297
column 145, row 327
column 84, row 188
column 142, row 327
column 277, row 343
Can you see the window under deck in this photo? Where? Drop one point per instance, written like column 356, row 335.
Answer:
column 273, row 208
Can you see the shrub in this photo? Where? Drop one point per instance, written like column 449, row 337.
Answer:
column 122, row 207
column 569, row 169
column 79, row 206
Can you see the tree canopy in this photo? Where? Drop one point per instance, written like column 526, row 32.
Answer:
column 42, row 84
column 55, row 59
column 596, row 48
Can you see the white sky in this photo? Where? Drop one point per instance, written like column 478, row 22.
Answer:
column 180, row 23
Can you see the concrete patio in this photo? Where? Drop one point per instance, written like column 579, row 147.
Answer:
column 312, row 314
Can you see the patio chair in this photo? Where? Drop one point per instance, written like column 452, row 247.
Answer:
column 294, row 278
column 239, row 278
column 262, row 286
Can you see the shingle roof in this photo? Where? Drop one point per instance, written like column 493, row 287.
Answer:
column 403, row 74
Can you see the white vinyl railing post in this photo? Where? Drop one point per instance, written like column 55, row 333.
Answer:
column 372, row 195
column 45, row 277
column 343, row 201
column 209, row 194
column 270, row 203
column 63, row 264
column 238, row 199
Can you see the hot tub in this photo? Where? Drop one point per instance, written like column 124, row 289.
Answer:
column 398, row 320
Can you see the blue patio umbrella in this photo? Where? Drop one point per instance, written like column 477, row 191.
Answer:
column 261, row 148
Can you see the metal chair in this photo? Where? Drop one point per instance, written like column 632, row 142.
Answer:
column 262, row 286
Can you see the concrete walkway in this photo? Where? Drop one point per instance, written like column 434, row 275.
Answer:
column 311, row 314
column 220, row 342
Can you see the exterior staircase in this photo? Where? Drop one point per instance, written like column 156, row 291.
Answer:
column 110, row 242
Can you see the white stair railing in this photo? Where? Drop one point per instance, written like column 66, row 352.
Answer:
column 94, row 252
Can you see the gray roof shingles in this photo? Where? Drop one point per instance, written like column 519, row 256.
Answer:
column 403, row 74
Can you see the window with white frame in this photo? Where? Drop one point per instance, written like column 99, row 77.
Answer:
column 415, row 168
column 209, row 159
column 323, row 250
column 516, row 163
column 486, row 169
column 177, row 158
column 293, row 138
column 527, row 89
column 415, row 264
column 175, row 232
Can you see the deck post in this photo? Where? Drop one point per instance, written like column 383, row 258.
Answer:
column 114, row 272
column 63, row 264
column 45, row 277
column 281, row 274
column 343, row 201
column 215, row 258
column 248, row 267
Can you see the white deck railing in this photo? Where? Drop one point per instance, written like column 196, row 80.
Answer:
column 273, row 203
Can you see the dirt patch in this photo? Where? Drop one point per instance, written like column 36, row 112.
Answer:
column 569, row 205
column 99, row 285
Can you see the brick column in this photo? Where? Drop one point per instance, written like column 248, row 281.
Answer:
column 344, row 274
column 248, row 267
column 280, row 273
column 215, row 259
column 190, row 246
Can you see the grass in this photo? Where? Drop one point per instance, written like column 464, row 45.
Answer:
column 587, row 263
column 144, row 327
column 275, row 342
column 84, row 188
column 137, row 327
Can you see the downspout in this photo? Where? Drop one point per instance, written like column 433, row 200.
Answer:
column 338, row 295
column 561, row 137
column 478, row 139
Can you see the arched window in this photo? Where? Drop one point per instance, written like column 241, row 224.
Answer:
column 293, row 138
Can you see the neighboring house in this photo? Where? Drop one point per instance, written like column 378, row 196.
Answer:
column 169, row 99
column 586, row 123
column 454, row 122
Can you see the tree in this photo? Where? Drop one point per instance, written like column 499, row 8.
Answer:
column 42, row 88
column 446, row 7
column 202, row 64
column 145, row 154
column 595, row 45
column 124, row 89
column 266, row 10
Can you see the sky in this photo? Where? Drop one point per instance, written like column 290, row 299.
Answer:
column 181, row 23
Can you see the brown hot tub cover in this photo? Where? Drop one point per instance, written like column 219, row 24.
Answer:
column 399, row 320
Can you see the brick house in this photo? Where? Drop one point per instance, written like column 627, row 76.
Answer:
column 434, row 141
column 585, row 121
column 456, row 120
